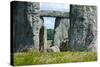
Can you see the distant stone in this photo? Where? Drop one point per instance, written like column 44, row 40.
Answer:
column 49, row 13
column 43, row 39
column 61, row 32
column 53, row 49
column 64, row 45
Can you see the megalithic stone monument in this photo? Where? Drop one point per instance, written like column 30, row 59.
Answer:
column 83, row 28
column 61, row 32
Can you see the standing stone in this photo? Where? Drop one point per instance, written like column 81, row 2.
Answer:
column 83, row 28
column 22, row 33
column 36, row 23
column 26, row 25
column 61, row 31
column 43, row 38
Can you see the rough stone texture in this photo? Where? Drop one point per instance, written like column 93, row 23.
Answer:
column 33, row 17
column 53, row 49
column 64, row 45
column 43, row 39
column 83, row 28
column 49, row 13
column 22, row 32
column 26, row 25
column 61, row 32
column 29, row 32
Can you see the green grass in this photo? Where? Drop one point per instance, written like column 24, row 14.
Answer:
column 53, row 57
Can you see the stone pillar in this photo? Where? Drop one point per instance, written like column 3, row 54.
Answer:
column 26, row 25
column 43, row 37
column 61, row 31
column 83, row 28
column 33, row 16
column 20, row 26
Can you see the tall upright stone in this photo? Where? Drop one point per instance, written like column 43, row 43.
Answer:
column 61, row 32
column 26, row 25
column 22, row 33
column 37, row 25
column 43, row 38
column 83, row 28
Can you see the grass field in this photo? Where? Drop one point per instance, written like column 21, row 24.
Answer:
column 53, row 58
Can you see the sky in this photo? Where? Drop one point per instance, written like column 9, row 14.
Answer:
column 49, row 21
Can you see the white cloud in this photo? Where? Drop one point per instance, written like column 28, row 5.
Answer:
column 54, row 6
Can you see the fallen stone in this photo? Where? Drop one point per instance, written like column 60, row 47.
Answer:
column 53, row 49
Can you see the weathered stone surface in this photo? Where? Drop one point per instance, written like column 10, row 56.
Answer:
column 83, row 28
column 54, row 14
column 53, row 49
column 22, row 32
column 26, row 25
column 61, row 31
column 35, row 22
column 43, row 39
column 64, row 45
column 29, row 32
